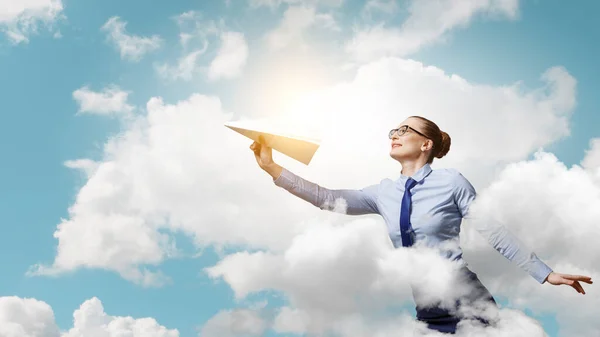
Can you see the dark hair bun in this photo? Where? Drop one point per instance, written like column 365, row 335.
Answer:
column 445, row 146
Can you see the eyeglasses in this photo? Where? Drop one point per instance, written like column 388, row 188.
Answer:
column 402, row 130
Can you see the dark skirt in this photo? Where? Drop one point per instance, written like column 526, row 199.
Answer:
column 445, row 320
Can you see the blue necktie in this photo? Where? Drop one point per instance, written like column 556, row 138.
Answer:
column 405, row 213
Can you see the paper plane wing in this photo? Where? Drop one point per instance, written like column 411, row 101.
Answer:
column 298, row 148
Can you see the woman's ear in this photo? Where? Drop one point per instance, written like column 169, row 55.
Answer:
column 428, row 145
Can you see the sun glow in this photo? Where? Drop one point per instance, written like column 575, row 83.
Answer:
column 282, row 88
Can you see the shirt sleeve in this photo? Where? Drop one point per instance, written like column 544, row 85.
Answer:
column 498, row 235
column 358, row 202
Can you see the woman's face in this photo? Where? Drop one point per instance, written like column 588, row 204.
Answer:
column 411, row 144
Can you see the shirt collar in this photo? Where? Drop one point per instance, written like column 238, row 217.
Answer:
column 419, row 175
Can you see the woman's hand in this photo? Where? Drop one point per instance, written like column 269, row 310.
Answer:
column 264, row 157
column 571, row 280
column 262, row 153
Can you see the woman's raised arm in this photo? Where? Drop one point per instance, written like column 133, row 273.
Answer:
column 357, row 202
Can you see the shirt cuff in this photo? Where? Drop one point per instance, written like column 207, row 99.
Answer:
column 541, row 272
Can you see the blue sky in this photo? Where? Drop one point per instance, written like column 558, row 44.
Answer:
column 42, row 128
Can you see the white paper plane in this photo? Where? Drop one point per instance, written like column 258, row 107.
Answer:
column 301, row 149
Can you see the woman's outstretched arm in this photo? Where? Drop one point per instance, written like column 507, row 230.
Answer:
column 357, row 202
column 508, row 245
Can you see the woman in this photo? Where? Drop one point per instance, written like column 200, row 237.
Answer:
column 423, row 206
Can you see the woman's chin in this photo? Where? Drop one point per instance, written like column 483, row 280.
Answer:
column 395, row 156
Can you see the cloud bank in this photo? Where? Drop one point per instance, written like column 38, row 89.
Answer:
column 27, row 317
column 165, row 173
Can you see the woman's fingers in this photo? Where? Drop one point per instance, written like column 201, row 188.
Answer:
column 573, row 281
column 582, row 278
column 578, row 287
column 570, row 280
column 255, row 147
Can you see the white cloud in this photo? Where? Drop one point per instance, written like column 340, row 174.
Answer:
column 592, row 156
column 110, row 101
column 380, row 6
column 228, row 63
column 131, row 47
column 187, row 66
column 26, row 317
column 342, row 279
column 428, row 22
column 87, row 165
column 291, row 320
column 195, row 38
column 334, row 269
column 231, row 57
column 296, row 21
column 232, row 323
column 90, row 320
column 193, row 25
column 21, row 18
column 276, row 3
column 115, row 221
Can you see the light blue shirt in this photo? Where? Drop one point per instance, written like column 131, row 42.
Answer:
column 440, row 200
